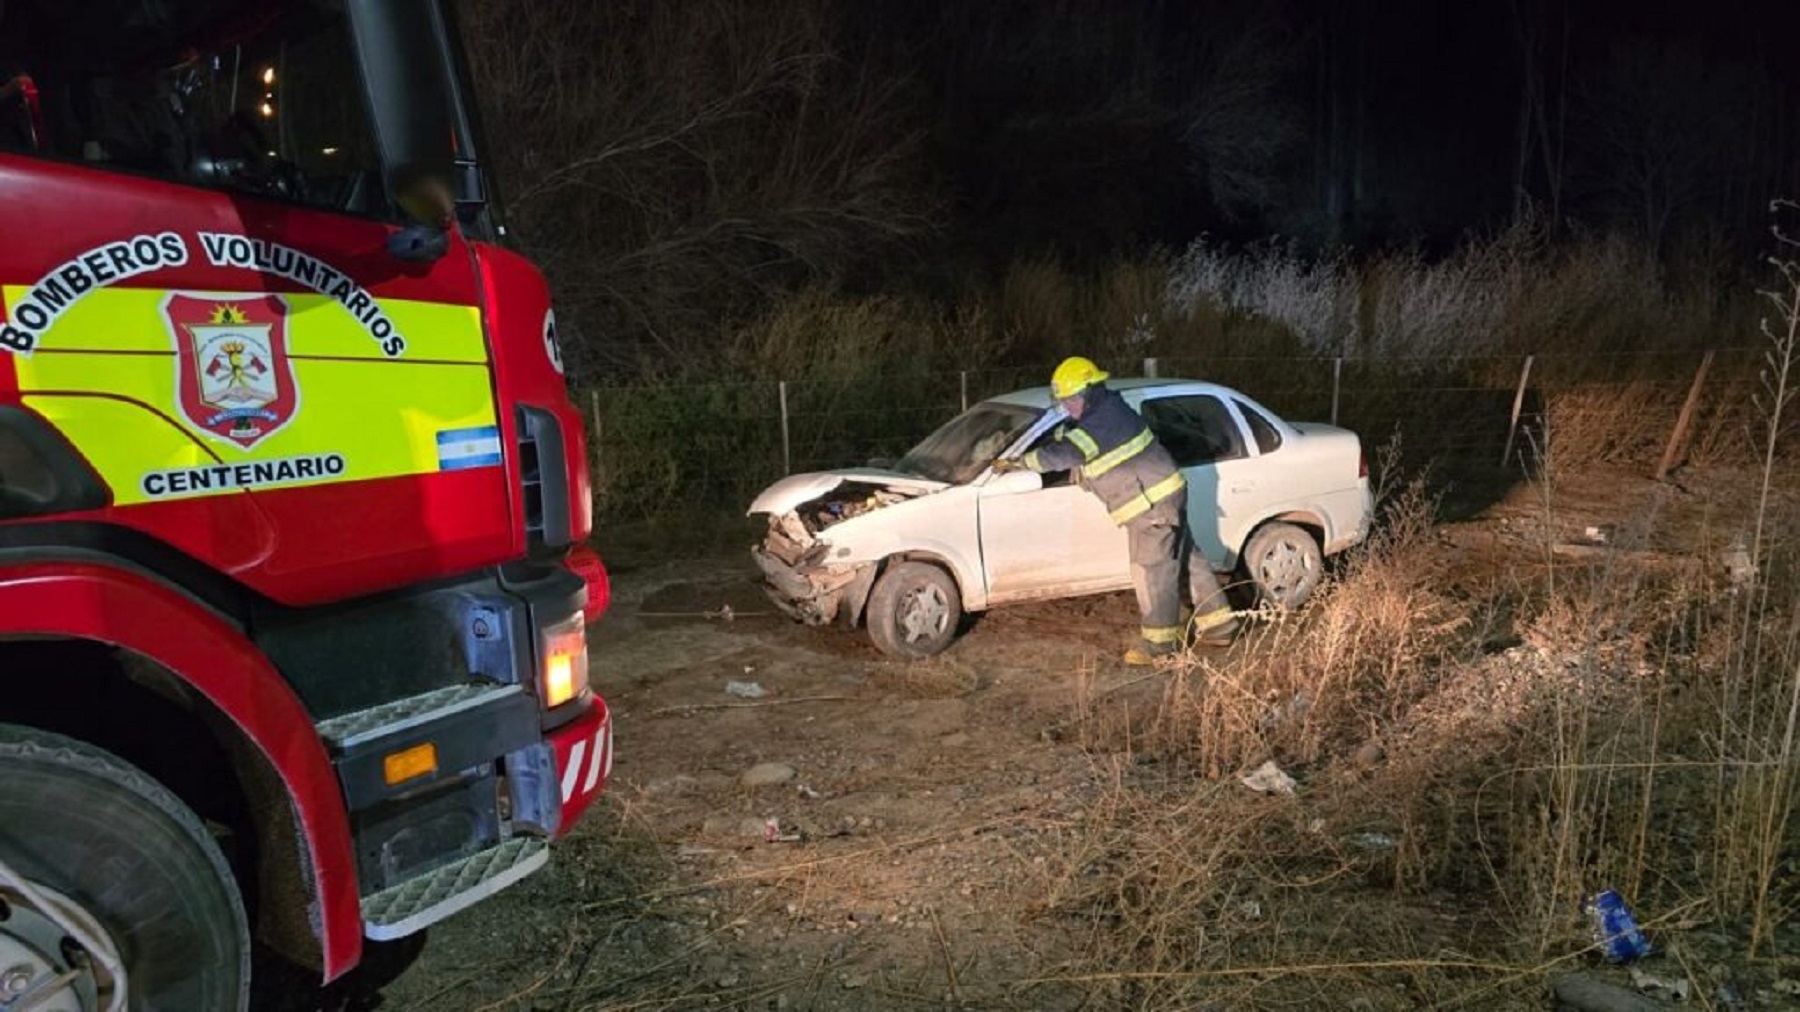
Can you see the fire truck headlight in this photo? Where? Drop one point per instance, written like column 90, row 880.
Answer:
column 565, row 673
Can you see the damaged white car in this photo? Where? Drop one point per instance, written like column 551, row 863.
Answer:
column 908, row 550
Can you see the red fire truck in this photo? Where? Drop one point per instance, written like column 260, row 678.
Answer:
column 292, row 500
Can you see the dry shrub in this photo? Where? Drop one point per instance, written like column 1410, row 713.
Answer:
column 1180, row 872
column 1500, row 747
column 1514, row 293
column 1316, row 684
column 1046, row 310
column 1622, row 422
column 1316, row 299
column 1163, row 885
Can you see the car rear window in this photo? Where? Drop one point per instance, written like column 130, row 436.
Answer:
column 1196, row 429
column 1268, row 439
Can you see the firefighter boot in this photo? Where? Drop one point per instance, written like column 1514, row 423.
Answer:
column 1145, row 654
column 1213, row 629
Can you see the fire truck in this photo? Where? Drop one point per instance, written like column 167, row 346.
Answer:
column 293, row 503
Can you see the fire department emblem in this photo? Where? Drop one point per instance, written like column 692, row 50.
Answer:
column 235, row 379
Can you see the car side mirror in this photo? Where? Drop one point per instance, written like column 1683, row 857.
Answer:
column 1014, row 482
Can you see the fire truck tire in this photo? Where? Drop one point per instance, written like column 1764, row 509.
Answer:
column 82, row 822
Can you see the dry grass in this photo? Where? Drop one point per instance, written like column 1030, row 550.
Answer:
column 1512, row 293
column 1477, row 755
column 1430, row 348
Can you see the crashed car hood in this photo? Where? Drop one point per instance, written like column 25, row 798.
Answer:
column 796, row 489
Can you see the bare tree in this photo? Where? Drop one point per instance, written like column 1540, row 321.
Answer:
column 1242, row 123
column 677, row 163
column 1543, row 104
column 1661, row 129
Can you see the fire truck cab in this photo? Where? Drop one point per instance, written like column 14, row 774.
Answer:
column 293, row 503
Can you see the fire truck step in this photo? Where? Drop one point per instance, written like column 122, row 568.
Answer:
column 352, row 729
column 418, row 903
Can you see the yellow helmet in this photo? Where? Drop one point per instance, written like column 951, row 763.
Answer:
column 1073, row 376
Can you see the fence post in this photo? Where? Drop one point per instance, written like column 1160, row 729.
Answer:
column 1678, row 438
column 1512, row 430
column 964, row 378
column 1150, row 368
column 787, row 456
column 1337, row 376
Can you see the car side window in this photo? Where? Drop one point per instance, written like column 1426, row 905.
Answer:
column 1052, row 479
column 1196, row 429
column 1268, row 439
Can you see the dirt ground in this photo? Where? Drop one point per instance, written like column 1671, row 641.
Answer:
column 865, row 834
column 884, row 862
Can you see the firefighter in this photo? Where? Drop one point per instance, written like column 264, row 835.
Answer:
column 1122, row 463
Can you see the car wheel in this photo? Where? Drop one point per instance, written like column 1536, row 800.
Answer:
column 913, row 610
column 1285, row 563
column 116, row 871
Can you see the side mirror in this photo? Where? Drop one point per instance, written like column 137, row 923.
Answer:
column 428, row 204
column 419, row 244
column 1013, row 483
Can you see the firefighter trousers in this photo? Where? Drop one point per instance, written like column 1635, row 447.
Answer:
column 1161, row 547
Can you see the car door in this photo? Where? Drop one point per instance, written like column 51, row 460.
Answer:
column 1046, row 536
column 1207, row 440
column 1267, row 480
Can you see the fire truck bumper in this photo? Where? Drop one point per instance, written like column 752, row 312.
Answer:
column 584, row 758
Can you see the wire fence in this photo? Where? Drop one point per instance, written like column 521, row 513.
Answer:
column 660, row 447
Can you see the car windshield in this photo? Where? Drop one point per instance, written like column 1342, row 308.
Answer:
column 963, row 446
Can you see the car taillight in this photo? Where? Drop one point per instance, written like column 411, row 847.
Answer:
column 1362, row 464
column 585, row 563
column 564, row 653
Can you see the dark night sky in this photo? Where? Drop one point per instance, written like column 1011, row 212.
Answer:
column 1406, row 113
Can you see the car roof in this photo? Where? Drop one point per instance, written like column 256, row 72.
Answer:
column 1039, row 397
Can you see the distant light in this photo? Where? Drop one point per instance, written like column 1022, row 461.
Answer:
column 268, row 110
column 269, row 77
column 331, row 151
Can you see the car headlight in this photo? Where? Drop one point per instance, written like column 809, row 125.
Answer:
column 564, row 652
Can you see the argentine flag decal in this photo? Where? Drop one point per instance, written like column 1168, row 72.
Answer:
column 464, row 448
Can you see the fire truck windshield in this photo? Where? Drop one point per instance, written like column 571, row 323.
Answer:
column 264, row 98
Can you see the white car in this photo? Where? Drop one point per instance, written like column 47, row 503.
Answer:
column 908, row 550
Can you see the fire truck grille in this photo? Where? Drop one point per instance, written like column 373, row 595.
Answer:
column 420, row 902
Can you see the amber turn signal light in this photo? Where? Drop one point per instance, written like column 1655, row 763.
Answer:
column 409, row 764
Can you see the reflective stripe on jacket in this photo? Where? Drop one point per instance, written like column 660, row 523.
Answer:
column 1119, row 457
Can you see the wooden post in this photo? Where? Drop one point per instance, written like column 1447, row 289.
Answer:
column 1678, row 438
column 787, row 456
column 1150, row 368
column 1512, row 430
column 964, row 377
column 1337, row 375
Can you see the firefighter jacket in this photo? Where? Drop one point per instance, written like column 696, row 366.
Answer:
column 1118, row 456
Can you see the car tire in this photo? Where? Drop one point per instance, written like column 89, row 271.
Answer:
column 914, row 610
column 134, row 866
column 1285, row 564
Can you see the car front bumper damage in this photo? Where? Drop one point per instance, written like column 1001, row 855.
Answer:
column 803, row 585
